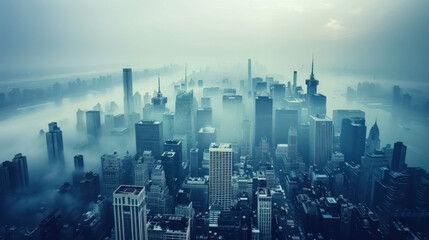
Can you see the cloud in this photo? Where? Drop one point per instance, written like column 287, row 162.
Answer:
column 334, row 24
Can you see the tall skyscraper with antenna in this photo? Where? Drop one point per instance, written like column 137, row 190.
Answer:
column 311, row 84
column 294, row 83
column 158, row 104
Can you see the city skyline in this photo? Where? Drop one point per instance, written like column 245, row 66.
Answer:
column 214, row 120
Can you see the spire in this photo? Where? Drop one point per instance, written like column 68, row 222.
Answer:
column 312, row 67
column 159, row 84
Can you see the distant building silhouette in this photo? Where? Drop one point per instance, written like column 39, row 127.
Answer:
column 54, row 142
column 128, row 91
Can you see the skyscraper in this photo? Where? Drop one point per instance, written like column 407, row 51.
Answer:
column 398, row 159
column 129, row 208
column 128, row 91
column 352, row 139
column 168, row 125
column 232, row 118
column 321, row 140
column 284, row 119
column 159, row 200
column 278, row 93
column 173, row 170
column 78, row 162
column 169, row 227
column 194, row 162
column 54, row 142
column 264, row 213
column 373, row 141
column 4, row 178
column 158, row 104
column 294, row 83
column 14, row 174
column 137, row 102
column 93, row 125
column 205, row 102
column 80, row 120
column 339, row 114
column 204, row 118
column 78, row 173
column 249, row 75
column 206, row 136
column 396, row 97
column 220, row 188
column 318, row 104
column 111, row 166
column 263, row 119
column 89, row 187
column 185, row 116
column 149, row 136
column 141, row 172
column 292, row 150
column 176, row 146
column 311, row 84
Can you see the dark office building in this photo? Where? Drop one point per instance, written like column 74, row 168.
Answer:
column 303, row 140
column 199, row 192
column 149, row 136
column 364, row 224
column 195, row 162
column 318, row 104
column 204, row 118
column 397, row 192
column 176, row 146
column 14, row 174
column 398, row 159
column 93, row 125
column 396, row 96
column 261, row 87
column 19, row 172
column 263, row 119
column 284, row 119
column 54, row 143
column 278, row 93
column 184, row 118
column 89, row 187
column 78, row 172
column 232, row 225
column 50, row 226
column 352, row 139
column 173, row 170
column 206, row 136
column 78, row 163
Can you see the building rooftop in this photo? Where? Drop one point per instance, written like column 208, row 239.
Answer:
column 148, row 122
column 264, row 192
column 168, row 222
column 220, row 146
column 320, row 117
column 207, row 130
column 168, row 154
column 172, row 141
column 195, row 180
column 129, row 189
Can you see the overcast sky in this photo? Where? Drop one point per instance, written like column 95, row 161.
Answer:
column 384, row 37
